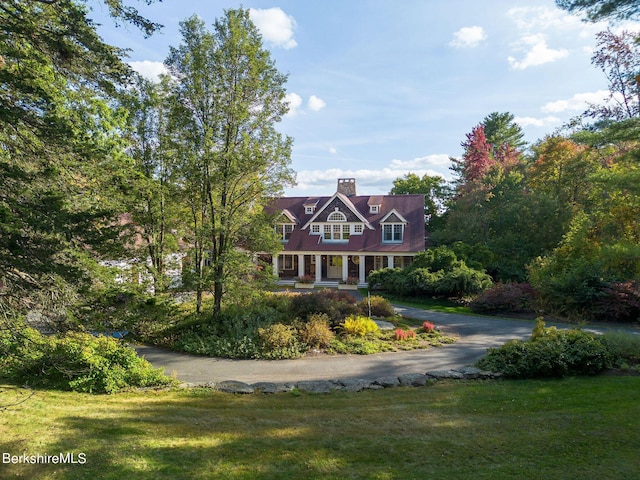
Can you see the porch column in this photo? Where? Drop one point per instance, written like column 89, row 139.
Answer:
column 274, row 263
column 390, row 261
column 345, row 267
column 300, row 265
column 361, row 268
column 318, row 268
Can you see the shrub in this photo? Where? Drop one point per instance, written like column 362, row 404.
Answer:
column 623, row 345
column 279, row 341
column 428, row 327
column 77, row 361
column 335, row 304
column 550, row 353
column 504, row 297
column 315, row 332
column 401, row 335
column 380, row 306
column 358, row 326
column 618, row 302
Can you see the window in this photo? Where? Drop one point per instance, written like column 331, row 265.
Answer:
column 358, row 228
column 309, row 209
column 336, row 233
column 315, row 229
column 374, row 208
column 337, row 217
column 392, row 232
column 287, row 262
column 284, row 231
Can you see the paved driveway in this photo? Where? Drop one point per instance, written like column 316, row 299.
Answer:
column 475, row 334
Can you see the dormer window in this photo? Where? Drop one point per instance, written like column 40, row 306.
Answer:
column 284, row 230
column 392, row 232
column 309, row 209
column 374, row 208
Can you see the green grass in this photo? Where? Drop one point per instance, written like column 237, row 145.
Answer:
column 578, row 428
column 435, row 304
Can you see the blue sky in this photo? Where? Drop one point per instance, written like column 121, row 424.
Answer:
column 381, row 88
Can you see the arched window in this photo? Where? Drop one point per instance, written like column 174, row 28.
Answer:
column 337, row 217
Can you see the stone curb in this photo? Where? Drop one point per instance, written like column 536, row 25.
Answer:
column 349, row 384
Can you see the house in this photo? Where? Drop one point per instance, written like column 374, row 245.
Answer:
column 345, row 236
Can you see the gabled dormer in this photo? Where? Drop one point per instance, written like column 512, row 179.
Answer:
column 285, row 224
column 393, row 225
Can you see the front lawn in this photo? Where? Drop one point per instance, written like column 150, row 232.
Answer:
column 578, row 428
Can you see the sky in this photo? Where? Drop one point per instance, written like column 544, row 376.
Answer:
column 378, row 89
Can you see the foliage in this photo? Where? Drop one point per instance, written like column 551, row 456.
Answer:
column 401, row 335
column 428, row 327
column 500, row 129
column 335, row 304
column 435, row 272
column 280, row 341
column 618, row 56
column 315, row 332
column 550, row 353
column 75, row 361
column 227, row 98
column 623, row 345
column 505, row 297
column 380, row 306
column 436, row 195
column 358, row 326
column 598, row 10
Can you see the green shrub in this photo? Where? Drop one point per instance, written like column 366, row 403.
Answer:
column 315, row 332
column 77, row 361
column 358, row 326
column 550, row 353
column 623, row 345
column 380, row 306
column 280, row 341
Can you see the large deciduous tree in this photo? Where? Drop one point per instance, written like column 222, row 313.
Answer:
column 229, row 96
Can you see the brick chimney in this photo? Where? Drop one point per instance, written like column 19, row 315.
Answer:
column 347, row 186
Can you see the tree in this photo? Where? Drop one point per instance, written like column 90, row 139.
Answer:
column 151, row 200
column 229, row 96
column 500, row 130
column 436, row 195
column 618, row 56
column 59, row 141
column 598, row 10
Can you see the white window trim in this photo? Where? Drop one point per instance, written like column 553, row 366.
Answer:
column 393, row 226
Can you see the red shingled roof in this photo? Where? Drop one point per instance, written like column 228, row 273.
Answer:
column 411, row 207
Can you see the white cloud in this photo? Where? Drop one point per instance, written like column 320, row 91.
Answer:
column 434, row 160
column 275, row 26
column 333, row 150
column 369, row 181
column 150, row 70
column 537, row 122
column 295, row 102
column 538, row 53
column 579, row 101
column 468, row 37
column 316, row 103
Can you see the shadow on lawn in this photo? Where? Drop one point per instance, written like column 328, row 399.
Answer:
column 505, row 430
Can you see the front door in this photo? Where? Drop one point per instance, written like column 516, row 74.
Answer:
column 334, row 269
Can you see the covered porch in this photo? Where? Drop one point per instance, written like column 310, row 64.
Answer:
column 332, row 269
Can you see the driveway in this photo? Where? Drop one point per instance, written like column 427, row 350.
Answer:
column 475, row 334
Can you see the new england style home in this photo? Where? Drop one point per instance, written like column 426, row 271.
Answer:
column 343, row 237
